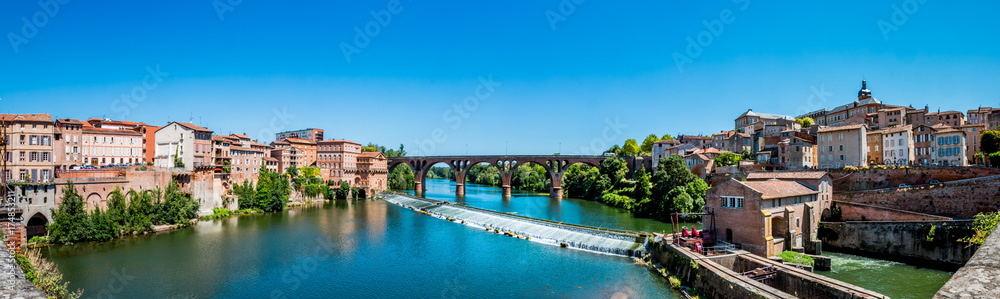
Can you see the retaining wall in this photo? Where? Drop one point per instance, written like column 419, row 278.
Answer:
column 980, row 277
column 960, row 199
column 861, row 212
column 927, row 243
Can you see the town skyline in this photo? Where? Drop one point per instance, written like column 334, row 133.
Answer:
column 577, row 71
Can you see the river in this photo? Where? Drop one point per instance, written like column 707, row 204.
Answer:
column 362, row 249
column 376, row 249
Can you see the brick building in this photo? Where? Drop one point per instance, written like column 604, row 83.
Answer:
column 68, row 146
column 764, row 217
column 338, row 159
column 316, row 135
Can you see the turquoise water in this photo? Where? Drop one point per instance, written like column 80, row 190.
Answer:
column 896, row 280
column 362, row 250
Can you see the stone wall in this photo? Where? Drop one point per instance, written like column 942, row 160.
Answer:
column 928, row 243
column 719, row 277
column 980, row 277
column 960, row 199
column 874, row 178
column 861, row 212
column 11, row 274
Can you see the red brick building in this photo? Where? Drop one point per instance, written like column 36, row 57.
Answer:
column 764, row 217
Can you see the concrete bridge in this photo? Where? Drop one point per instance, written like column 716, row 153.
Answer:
column 555, row 165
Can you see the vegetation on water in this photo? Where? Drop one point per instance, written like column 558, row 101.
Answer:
column 798, row 258
column 72, row 223
column 44, row 275
column 983, row 225
column 270, row 194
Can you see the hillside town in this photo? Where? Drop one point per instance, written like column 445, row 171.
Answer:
column 860, row 133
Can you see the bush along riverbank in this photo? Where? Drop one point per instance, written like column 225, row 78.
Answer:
column 44, row 275
column 142, row 210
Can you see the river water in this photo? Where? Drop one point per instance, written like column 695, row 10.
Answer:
column 361, row 250
column 376, row 249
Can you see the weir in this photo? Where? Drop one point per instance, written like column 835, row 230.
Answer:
column 608, row 241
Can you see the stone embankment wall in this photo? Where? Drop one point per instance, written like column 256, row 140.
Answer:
column 877, row 178
column 980, row 277
column 13, row 283
column 960, row 199
column 718, row 276
column 928, row 243
column 861, row 212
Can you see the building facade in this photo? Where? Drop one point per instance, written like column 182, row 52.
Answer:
column 68, row 147
column 897, row 145
column 189, row 143
column 30, row 139
column 103, row 146
column 924, row 145
column 765, row 217
column 338, row 159
column 316, row 135
column 951, row 147
column 973, row 133
column 843, row 146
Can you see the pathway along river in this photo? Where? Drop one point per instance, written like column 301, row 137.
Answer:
column 377, row 249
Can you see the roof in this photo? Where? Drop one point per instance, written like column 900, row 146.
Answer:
column 840, row 128
column 70, row 121
column 189, row 126
column 712, row 150
column 109, row 131
column 33, row 117
column 949, row 130
column 667, row 141
column 787, row 175
column 270, row 159
column 778, row 189
column 766, row 115
column 299, row 140
column 897, row 129
column 371, row 154
column 240, row 136
column 338, row 141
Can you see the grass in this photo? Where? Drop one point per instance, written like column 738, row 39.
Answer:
column 798, row 258
column 45, row 275
column 219, row 213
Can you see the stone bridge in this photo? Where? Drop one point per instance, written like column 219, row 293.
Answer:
column 555, row 165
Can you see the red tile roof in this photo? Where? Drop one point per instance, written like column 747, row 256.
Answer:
column 89, row 129
column 779, row 189
column 338, row 141
column 299, row 140
column 70, row 121
column 193, row 126
column 33, row 117
column 841, row 128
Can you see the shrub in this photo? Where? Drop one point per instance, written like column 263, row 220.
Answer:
column 44, row 275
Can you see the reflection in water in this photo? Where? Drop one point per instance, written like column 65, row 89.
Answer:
column 364, row 249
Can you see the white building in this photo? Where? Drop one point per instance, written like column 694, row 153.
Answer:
column 192, row 143
column 897, row 145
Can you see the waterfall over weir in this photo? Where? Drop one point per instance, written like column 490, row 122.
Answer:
column 615, row 242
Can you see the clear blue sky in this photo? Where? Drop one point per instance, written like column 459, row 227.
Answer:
column 559, row 85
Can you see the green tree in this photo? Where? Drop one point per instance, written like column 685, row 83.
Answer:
column 643, row 187
column 117, row 209
column 647, row 144
column 614, row 169
column 727, row 159
column 140, row 210
column 805, row 121
column 292, row 171
column 344, row 190
column 667, row 137
column 989, row 142
column 615, row 150
column 401, row 152
column 103, row 228
column 70, row 222
column 402, row 178
column 631, row 148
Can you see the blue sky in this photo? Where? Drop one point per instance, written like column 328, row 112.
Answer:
column 575, row 77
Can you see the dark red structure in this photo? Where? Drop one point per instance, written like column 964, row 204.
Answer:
column 556, row 166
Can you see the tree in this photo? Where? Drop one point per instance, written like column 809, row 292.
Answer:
column 402, row 178
column 102, row 227
column 614, row 169
column 344, row 190
column 643, row 187
column 140, row 209
column 117, row 209
column 70, row 222
column 292, row 171
column 615, row 150
column 805, row 121
column 989, row 142
column 667, row 137
column 727, row 159
column 647, row 144
column 631, row 148
column 745, row 154
column 178, row 162
column 310, row 172
column 395, row 153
